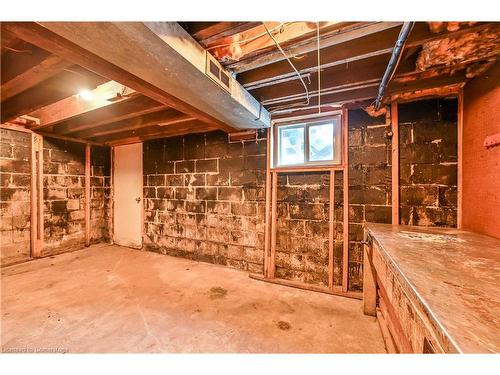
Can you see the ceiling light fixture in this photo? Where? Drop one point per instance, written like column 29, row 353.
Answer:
column 86, row 95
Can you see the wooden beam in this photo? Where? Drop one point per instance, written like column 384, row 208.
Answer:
column 58, row 87
column 130, row 107
column 331, row 230
column 345, row 161
column 219, row 30
column 256, row 41
column 154, row 130
column 164, row 117
column 274, row 217
column 340, row 77
column 395, row 163
column 452, row 89
column 106, row 94
column 34, row 75
column 396, row 91
column 66, row 138
column 460, row 128
column 335, row 37
column 364, row 47
column 87, row 195
column 178, row 132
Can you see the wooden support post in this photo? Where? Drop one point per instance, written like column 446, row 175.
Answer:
column 331, row 232
column 345, row 162
column 33, row 199
column 395, row 163
column 274, row 198
column 267, row 239
column 87, row 195
column 36, row 196
column 460, row 127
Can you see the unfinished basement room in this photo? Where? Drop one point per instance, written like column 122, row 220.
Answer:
column 250, row 187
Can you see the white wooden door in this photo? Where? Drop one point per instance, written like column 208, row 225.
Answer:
column 128, row 199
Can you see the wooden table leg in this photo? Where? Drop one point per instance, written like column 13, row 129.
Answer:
column 369, row 283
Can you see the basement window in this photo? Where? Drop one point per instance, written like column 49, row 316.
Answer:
column 312, row 143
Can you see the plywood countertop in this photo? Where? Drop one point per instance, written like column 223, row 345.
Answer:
column 454, row 275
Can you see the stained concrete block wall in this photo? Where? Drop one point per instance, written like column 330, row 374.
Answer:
column 302, row 241
column 100, row 190
column 205, row 199
column 428, row 162
column 64, row 195
column 369, row 183
column 15, row 177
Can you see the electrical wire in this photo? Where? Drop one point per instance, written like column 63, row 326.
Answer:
column 293, row 67
column 251, row 38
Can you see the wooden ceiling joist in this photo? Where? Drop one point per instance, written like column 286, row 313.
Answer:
column 104, row 95
column 338, row 76
column 48, row 67
column 369, row 92
column 256, row 41
column 364, row 47
column 122, row 110
column 327, row 39
column 161, row 118
column 191, row 125
column 65, row 84
column 207, row 33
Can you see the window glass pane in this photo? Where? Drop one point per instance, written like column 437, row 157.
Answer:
column 321, row 142
column 291, row 145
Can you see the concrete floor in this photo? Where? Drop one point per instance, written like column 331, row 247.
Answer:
column 113, row 299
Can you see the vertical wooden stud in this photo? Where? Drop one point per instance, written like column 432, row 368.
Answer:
column 460, row 127
column 268, row 206
column 36, row 196
column 40, row 195
column 87, row 195
column 395, row 163
column 331, row 232
column 274, row 198
column 345, row 162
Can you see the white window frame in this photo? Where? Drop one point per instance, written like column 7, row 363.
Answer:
column 337, row 134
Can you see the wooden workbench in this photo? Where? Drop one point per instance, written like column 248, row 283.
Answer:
column 433, row 290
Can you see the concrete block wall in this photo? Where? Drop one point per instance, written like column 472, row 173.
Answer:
column 205, row 200
column 100, row 198
column 302, row 241
column 64, row 195
column 428, row 162
column 369, row 183
column 15, row 181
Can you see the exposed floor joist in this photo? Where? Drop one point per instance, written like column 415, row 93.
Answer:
column 332, row 38
column 122, row 110
column 163, row 117
column 214, row 31
column 56, row 88
column 106, row 94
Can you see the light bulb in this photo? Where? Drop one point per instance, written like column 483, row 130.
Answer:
column 86, row 95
